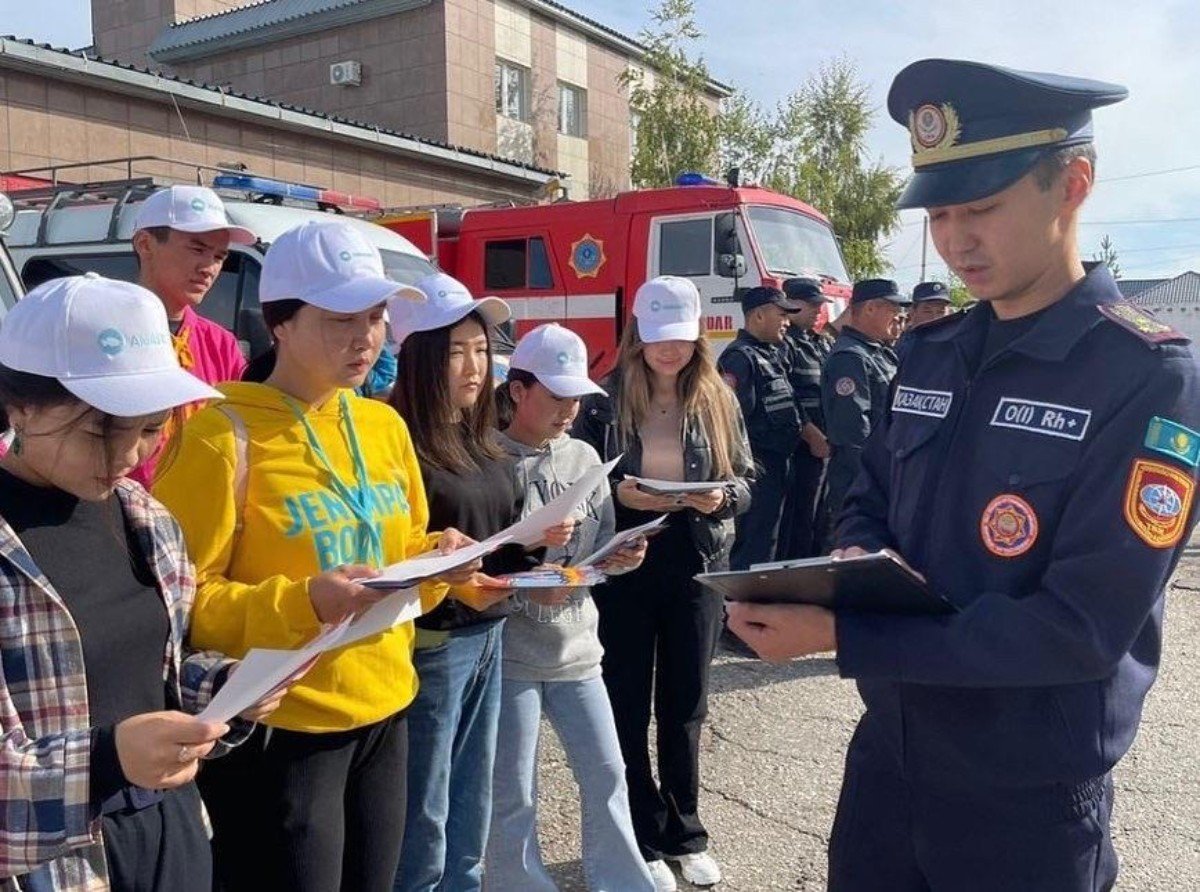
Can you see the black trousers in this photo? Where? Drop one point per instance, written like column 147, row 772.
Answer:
column 804, row 519
column 659, row 629
column 160, row 848
column 891, row 835
column 310, row 812
column 758, row 528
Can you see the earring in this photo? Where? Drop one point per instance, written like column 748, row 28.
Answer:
column 15, row 446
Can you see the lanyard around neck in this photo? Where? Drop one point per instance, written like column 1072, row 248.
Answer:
column 361, row 499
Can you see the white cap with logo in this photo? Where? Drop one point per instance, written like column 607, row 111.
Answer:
column 447, row 302
column 328, row 264
column 105, row 341
column 667, row 308
column 557, row 357
column 190, row 209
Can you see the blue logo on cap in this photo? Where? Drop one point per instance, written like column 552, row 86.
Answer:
column 655, row 306
column 111, row 342
column 564, row 358
column 198, row 204
column 345, row 256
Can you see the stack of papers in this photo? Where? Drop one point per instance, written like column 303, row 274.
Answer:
column 673, row 487
column 620, row 540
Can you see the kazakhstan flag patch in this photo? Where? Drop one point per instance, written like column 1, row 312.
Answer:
column 1174, row 440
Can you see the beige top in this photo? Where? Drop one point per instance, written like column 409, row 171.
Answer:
column 662, row 443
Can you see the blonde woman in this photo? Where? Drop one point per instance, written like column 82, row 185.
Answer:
column 673, row 417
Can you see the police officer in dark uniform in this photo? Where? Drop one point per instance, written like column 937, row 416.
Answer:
column 931, row 301
column 1039, row 467
column 753, row 367
column 804, row 351
column 856, row 379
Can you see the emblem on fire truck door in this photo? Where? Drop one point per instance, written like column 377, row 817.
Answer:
column 587, row 257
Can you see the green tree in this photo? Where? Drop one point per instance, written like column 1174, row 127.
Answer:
column 1108, row 256
column 821, row 157
column 676, row 127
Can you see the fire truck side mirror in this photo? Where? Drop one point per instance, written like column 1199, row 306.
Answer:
column 731, row 266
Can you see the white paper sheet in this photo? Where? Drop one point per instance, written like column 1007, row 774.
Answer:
column 406, row 574
column 620, row 539
column 673, row 487
column 528, row 530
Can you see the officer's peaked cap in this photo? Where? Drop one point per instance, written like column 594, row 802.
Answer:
column 976, row 129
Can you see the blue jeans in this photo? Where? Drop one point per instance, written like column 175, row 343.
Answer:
column 583, row 719
column 452, row 745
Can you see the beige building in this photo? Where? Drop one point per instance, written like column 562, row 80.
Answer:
column 527, row 80
column 60, row 108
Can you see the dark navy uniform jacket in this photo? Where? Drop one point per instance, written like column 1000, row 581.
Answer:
column 854, row 395
column 1036, row 491
column 755, row 371
column 804, row 354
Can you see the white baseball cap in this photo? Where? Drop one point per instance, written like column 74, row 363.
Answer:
column 328, row 264
column 105, row 341
column 667, row 308
column 447, row 301
column 557, row 357
column 190, row 209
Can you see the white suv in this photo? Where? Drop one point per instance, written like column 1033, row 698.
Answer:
column 51, row 237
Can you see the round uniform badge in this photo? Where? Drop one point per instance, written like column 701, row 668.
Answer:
column 731, row 379
column 929, row 125
column 844, row 387
column 1009, row 526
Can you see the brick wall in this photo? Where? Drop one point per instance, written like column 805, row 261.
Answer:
column 404, row 72
column 125, row 29
column 44, row 121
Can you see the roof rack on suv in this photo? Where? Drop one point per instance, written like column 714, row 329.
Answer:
column 55, row 194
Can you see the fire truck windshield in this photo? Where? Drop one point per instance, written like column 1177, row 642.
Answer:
column 8, row 289
column 795, row 245
column 405, row 267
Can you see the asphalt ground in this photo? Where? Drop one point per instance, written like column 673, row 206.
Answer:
column 776, row 739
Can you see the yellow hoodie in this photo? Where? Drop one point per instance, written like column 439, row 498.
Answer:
column 252, row 583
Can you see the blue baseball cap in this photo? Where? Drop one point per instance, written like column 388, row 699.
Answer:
column 805, row 289
column 876, row 289
column 976, row 129
column 930, row 291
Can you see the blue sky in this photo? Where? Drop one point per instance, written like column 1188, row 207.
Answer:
column 768, row 47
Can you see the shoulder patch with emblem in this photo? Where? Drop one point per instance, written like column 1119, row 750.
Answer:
column 844, row 387
column 1172, row 439
column 1158, row 501
column 731, row 379
column 1134, row 319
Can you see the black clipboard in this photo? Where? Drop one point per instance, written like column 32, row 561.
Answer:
column 873, row 583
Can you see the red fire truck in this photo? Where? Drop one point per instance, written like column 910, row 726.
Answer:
column 580, row 263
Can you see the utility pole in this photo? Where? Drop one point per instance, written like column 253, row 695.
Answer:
column 924, row 244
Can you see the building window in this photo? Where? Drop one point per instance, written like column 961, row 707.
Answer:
column 512, row 90
column 572, row 110
column 517, row 263
column 685, row 248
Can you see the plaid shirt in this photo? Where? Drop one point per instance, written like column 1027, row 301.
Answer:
column 49, row 828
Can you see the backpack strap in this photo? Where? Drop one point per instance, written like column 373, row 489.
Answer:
column 241, row 466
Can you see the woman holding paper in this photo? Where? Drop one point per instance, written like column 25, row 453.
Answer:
column 288, row 492
column 444, row 390
column 551, row 647
column 97, row 755
column 673, row 419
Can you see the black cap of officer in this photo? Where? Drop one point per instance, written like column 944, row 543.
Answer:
column 930, row 291
column 875, row 289
column 805, row 289
column 762, row 295
column 976, row 129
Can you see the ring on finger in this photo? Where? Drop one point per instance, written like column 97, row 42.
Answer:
column 185, row 754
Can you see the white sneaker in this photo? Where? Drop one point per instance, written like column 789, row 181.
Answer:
column 699, row 869
column 664, row 878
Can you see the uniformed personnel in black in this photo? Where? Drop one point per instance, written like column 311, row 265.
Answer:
column 1039, row 467
column 804, row 349
column 931, row 301
column 856, row 381
column 753, row 366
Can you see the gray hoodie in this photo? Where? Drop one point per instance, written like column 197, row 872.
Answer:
column 558, row 643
